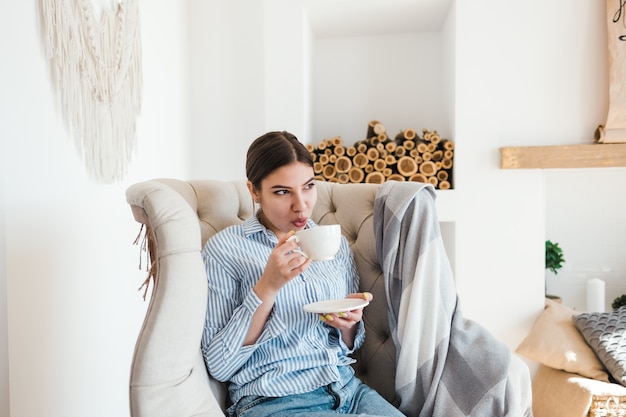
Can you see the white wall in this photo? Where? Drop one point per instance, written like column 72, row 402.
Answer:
column 69, row 267
column 4, row 344
column 500, row 214
column 227, row 74
column 250, row 70
column 287, row 71
column 524, row 73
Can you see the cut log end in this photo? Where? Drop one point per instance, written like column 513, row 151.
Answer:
column 428, row 168
column 407, row 166
column 375, row 177
column 343, row 164
column 356, row 175
column 375, row 128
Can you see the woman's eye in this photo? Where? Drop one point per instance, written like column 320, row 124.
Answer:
column 309, row 186
column 281, row 192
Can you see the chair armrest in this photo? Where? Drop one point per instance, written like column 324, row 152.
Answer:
column 167, row 362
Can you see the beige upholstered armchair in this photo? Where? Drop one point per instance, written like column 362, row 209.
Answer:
column 168, row 376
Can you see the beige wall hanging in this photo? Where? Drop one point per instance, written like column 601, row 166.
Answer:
column 614, row 130
column 94, row 48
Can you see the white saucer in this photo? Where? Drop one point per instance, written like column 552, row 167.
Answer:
column 335, row 306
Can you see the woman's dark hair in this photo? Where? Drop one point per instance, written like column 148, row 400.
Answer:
column 272, row 151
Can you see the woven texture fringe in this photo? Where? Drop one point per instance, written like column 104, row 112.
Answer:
column 147, row 247
column 607, row 406
column 96, row 69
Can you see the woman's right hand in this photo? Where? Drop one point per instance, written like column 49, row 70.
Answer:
column 283, row 264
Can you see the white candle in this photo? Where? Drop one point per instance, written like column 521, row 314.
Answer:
column 595, row 295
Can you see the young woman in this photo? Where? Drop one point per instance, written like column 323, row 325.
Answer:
column 280, row 360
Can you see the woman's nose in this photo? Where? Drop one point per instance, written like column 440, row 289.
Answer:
column 299, row 202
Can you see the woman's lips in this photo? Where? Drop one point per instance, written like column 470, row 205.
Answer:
column 299, row 223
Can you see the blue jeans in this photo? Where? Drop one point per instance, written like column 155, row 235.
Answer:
column 348, row 396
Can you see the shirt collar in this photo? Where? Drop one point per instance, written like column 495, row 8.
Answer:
column 252, row 225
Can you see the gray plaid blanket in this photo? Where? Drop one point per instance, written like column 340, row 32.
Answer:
column 447, row 365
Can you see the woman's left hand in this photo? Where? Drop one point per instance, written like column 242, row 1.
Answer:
column 347, row 319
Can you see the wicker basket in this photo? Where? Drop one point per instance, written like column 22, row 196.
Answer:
column 607, row 406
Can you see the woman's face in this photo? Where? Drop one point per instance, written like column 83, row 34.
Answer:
column 287, row 198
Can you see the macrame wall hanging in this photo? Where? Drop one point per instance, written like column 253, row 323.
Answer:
column 614, row 130
column 94, row 48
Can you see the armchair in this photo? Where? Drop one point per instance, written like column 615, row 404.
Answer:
column 168, row 375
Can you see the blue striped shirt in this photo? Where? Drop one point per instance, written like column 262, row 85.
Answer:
column 296, row 351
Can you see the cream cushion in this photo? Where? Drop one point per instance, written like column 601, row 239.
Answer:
column 555, row 341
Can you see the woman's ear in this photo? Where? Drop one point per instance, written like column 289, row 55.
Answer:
column 253, row 192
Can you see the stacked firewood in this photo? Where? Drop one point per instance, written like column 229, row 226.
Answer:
column 379, row 158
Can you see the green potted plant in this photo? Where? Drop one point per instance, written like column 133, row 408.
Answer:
column 554, row 260
column 619, row 302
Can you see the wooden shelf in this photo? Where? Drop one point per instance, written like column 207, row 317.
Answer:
column 596, row 155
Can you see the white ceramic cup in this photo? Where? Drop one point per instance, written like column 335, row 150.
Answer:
column 319, row 243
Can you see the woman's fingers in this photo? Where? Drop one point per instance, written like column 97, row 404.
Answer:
column 367, row 296
column 344, row 319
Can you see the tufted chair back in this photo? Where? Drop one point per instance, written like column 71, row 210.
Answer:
column 168, row 376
